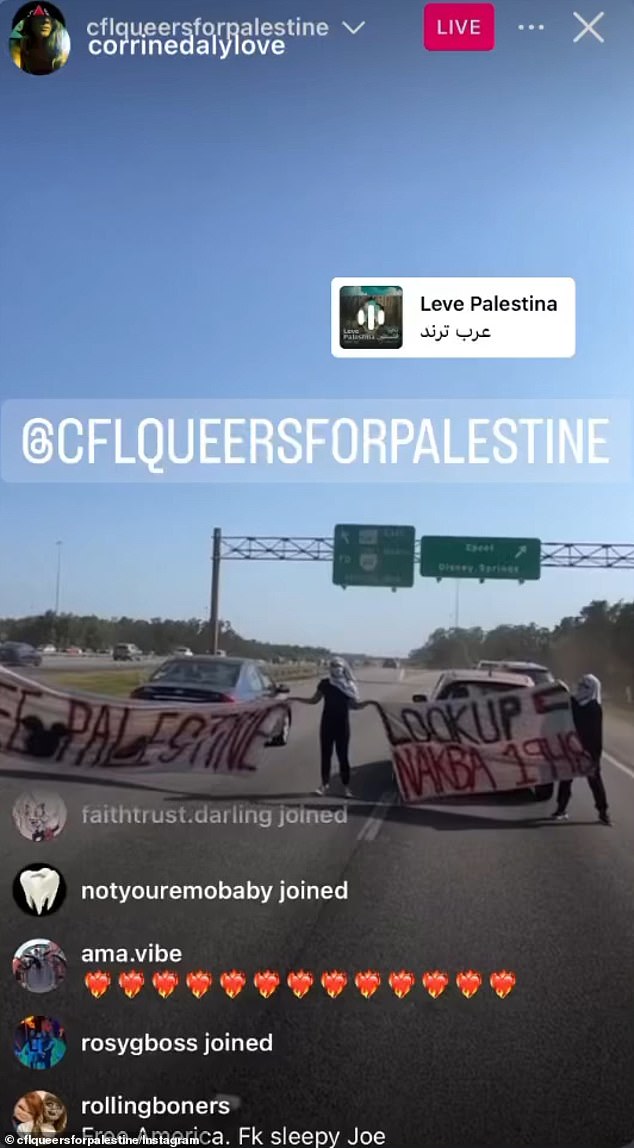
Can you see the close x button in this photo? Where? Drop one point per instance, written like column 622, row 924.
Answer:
column 459, row 27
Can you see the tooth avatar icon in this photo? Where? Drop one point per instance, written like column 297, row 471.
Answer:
column 39, row 890
column 41, row 887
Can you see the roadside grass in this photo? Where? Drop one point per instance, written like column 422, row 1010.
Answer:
column 120, row 683
column 110, row 683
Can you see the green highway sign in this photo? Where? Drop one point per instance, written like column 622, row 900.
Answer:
column 374, row 556
column 515, row 559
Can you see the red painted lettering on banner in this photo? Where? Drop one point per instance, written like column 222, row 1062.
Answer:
column 551, row 699
column 513, row 753
column 450, row 769
column 435, row 770
column 563, row 753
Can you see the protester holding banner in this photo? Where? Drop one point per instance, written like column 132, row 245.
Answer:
column 587, row 713
column 499, row 742
column 340, row 694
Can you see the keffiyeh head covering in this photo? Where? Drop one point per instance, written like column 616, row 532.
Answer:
column 588, row 689
column 341, row 677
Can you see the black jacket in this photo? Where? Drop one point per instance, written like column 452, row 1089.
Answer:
column 337, row 705
column 588, row 721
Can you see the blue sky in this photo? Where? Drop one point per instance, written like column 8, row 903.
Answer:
column 146, row 200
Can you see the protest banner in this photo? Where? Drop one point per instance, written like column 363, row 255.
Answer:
column 82, row 732
column 499, row 742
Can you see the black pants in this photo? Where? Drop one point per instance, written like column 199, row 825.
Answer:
column 335, row 737
column 595, row 781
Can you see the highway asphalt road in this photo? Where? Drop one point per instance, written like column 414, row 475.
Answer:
column 483, row 885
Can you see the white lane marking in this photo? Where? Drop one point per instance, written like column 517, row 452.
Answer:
column 371, row 828
column 619, row 765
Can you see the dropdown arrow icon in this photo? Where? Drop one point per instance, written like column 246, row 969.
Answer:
column 353, row 31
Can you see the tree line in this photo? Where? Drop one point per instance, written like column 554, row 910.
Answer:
column 156, row 635
column 598, row 640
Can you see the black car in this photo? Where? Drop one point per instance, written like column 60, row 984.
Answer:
column 19, row 654
column 210, row 679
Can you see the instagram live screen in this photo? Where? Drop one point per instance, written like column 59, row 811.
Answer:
column 317, row 574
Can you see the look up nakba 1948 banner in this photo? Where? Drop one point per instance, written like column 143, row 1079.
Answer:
column 501, row 742
column 83, row 732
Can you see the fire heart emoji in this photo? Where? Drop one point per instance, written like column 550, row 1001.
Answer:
column 435, row 983
column 300, row 983
column 266, row 983
column 199, row 983
column 131, row 982
column 334, row 983
column 502, row 983
column 165, row 983
column 367, row 983
column 401, row 983
column 468, row 983
column 233, row 983
column 97, row 983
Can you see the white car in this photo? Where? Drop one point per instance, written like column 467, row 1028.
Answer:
column 474, row 684
column 182, row 652
column 539, row 675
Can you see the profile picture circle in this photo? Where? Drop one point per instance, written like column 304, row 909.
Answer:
column 39, row 890
column 39, row 1042
column 39, row 42
column 39, row 815
column 41, row 1115
column 39, row 966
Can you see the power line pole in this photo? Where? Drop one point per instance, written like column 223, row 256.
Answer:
column 58, row 580
column 457, row 606
column 215, row 591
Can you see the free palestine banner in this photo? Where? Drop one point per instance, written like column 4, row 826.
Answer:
column 81, row 732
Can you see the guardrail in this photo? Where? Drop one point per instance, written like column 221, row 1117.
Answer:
column 292, row 673
column 62, row 663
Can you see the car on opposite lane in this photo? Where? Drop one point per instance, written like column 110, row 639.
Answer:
column 214, row 680
column 19, row 654
column 473, row 684
column 126, row 652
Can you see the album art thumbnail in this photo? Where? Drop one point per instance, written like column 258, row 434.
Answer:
column 371, row 318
